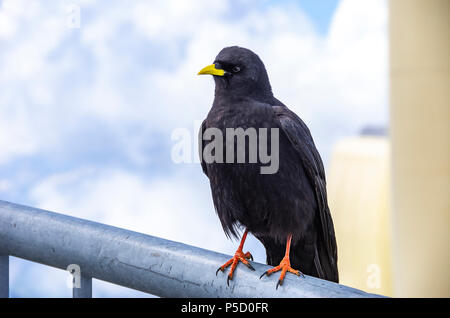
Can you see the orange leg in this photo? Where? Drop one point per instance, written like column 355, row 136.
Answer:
column 285, row 265
column 239, row 256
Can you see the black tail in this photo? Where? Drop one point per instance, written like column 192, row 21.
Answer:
column 325, row 254
column 325, row 267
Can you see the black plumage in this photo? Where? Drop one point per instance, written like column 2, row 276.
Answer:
column 292, row 201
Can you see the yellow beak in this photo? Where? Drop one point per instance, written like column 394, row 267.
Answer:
column 211, row 69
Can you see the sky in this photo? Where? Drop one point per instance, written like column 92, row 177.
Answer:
column 91, row 92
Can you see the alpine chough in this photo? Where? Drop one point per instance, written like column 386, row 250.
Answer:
column 286, row 210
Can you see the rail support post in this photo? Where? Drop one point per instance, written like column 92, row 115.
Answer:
column 85, row 289
column 4, row 276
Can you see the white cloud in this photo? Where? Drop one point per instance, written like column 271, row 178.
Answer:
column 167, row 206
column 337, row 81
column 5, row 185
column 28, row 279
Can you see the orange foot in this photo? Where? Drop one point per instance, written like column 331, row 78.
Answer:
column 285, row 266
column 239, row 256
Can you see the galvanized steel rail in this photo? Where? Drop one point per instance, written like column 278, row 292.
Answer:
column 142, row 262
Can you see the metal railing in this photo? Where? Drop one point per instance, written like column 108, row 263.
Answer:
column 138, row 261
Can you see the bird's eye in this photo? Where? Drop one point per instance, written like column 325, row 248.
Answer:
column 236, row 69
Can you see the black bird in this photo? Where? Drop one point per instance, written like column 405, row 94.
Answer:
column 287, row 210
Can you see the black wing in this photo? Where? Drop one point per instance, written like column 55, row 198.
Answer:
column 298, row 134
column 201, row 146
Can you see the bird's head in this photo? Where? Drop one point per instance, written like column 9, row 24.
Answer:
column 239, row 72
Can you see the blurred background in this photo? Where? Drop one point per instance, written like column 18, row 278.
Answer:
column 92, row 91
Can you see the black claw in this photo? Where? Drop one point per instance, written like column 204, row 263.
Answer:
column 228, row 281
column 301, row 275
column 280, row 282
column 265, row 273
column 250, row 266
column 250, row 257
column 219, row 269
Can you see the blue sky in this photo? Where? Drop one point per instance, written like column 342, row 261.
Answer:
column 320, row 12
column 86, row 114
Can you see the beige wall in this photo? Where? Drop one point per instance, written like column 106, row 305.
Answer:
column 420, row 138
column 358, row 191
